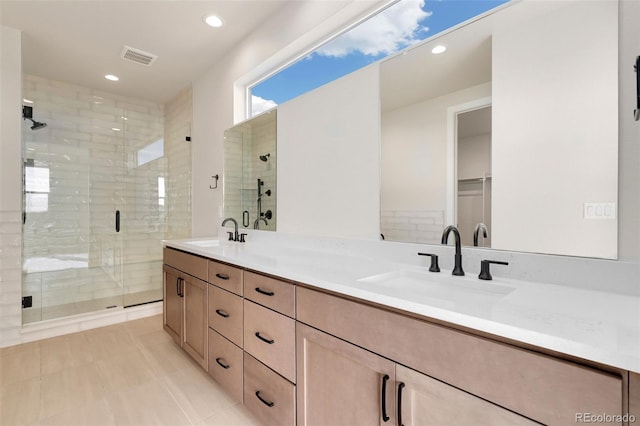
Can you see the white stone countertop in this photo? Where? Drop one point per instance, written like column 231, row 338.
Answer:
column 599, row 326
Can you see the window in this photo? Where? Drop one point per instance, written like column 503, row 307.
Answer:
column 161, row 191
column 151, row 152
column 403, row 24
column 36, row 188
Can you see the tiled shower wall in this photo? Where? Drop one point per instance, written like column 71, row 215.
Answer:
column 263, row 142
column 243, row 146
column 177, row 152
column 10, row 278
column 103, row 153
column 412, row 226
column 232, row 179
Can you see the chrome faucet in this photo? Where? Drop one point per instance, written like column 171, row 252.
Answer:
column 479, row 227
column 257, row 221
column 232, row 236
column 457, row 269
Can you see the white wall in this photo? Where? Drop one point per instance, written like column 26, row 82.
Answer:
column 296, row 29
column 10, row 185
column 574, row 136
column 11, row 113
column 414, row 148
column 329, row 156
column 474, row 156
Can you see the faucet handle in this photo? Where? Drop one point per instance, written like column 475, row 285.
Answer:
column 434, row 261
column 242, row 238
column 230, row 236
column 485, row 273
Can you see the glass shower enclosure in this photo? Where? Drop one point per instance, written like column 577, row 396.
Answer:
column 94, row 202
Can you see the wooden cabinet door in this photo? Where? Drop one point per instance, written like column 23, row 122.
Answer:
column 424, row 401
column 194, row 341
column 341, row 384
column 173, row 307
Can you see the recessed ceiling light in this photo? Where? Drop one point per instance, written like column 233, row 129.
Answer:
column 213, row 21
column 27, row 101
column 111, row 77
column 438, row 49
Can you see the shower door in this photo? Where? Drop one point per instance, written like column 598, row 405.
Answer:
column 71, row 251
column 93, row 203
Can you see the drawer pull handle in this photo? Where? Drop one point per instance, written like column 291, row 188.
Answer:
column 222, row 276
column 266, row 293
column 400, row 387
column 221, row 364
column 271, row 342
column 222, row 313
column 385, row 379
column 264, row 401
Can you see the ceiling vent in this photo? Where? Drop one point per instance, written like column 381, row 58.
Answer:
column 138, row 56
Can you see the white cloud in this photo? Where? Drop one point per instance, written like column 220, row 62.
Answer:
column 387, row 32
column 259, row 105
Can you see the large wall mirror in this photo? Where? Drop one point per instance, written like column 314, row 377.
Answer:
column 513, row 128
column 250, row 172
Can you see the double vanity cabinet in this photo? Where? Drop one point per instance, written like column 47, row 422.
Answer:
column 297, row 354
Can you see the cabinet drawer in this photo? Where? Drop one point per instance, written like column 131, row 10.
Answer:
column 267, row 395
column 270, row 337
column 189, row 263
column 270, row 292
column 541, row 387
column 225, row 314
column 225, row 364
column 226, row 276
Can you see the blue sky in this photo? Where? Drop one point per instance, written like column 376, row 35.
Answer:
column 405, row 23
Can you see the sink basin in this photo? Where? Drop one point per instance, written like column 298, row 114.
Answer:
column 442, row 290
column 204, row 243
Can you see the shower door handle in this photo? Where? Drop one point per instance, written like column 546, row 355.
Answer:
column 117, row 220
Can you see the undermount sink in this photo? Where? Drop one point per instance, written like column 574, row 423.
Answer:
column 204, row 243
column 441, row 290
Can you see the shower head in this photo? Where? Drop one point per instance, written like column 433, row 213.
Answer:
column 37, row 125
column 27, row 114
column 265, row 157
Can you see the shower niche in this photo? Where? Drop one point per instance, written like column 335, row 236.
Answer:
column 250, row 172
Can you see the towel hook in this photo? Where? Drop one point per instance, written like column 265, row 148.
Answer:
column 216, row 177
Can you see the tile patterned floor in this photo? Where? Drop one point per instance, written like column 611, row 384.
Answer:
column 125, row 374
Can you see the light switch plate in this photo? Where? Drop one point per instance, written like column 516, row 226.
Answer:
column 599, row 210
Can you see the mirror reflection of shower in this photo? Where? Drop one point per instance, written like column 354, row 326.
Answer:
column 27, row 114
column 262, row 215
